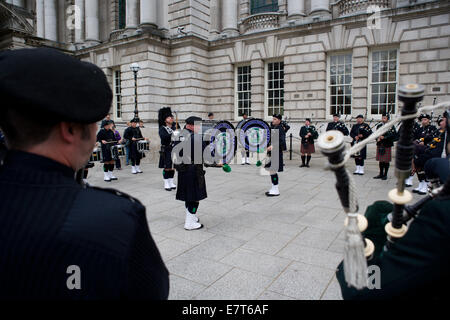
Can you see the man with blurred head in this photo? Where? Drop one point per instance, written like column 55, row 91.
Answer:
column 59, row 239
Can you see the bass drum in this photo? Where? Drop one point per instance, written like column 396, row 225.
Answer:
column 254, row 135
column 222, row 141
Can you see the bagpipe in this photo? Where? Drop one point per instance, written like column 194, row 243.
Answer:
column 359, row 249
column 313, row 135
column 364, row 130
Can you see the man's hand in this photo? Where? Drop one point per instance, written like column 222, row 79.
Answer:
column 357, row 138
column 104, row 141
column 133, row 139
column 269, row 148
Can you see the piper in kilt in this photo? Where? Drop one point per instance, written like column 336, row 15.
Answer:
column 308, row 133
column 166, row 129
column 384, row 148
column 360, row 131
column 276, row 125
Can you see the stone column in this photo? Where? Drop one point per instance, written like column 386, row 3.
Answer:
column 149, row 13
column 79, row 33
column 296, row 9
column 40, row 21
column 215, row 17
column 163, row 15
column 320, row 6
column 50, row 20
column 230, row 17
column 132, row 14
column 92, row 21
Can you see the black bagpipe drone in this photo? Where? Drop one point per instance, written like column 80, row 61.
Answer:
column 358, row 249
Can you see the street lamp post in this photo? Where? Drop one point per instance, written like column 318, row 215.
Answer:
column 135, row 68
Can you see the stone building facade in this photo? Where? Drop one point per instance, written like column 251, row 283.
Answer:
column 303, row 58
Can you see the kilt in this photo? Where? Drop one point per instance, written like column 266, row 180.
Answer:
column 106, row 152
column 307, row 148
column 387, row 156
column 134, row 153
column 191, row 183
column 165, row 158
column 280, row 163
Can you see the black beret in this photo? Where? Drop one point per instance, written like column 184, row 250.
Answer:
column 137, row 120
column 193, row 119
column 360, row 116
column 423, row 115
column 278, row 116
column 385, row 115
column 308, row 119
column 51, row 84
column 210, row 114
column 337, row 115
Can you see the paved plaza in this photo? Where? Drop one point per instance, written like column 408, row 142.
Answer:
column 252, row 247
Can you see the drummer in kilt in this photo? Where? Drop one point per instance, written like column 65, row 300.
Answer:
column 276, row 125
column 133, row 134
column 107, row 139
column 166, row 129
column 384, row 148
column 308, row 133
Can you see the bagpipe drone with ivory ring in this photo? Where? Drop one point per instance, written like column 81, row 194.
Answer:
column 358, row 249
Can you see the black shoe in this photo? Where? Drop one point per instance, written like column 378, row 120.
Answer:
column 380, row 176
column 307, row 165
column 168, row 189
column 303, row 165
column 271, row 195
column 384, row 178
column 174, row 188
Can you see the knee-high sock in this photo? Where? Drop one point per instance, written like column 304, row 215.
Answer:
column 274, row 179
column 105, row 167
column 111, row 167
column 381, row 165
column 192, row 206
column 138, row 162
column 421, row 175
column 308, row 159
column 303, row 159
column 362, row 162
column 386, row 168
column 165, row 174
column 171, row 174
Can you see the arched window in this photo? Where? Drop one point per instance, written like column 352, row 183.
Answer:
column 259, row 6
column 122, row 13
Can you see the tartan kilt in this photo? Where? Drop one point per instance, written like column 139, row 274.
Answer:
column 386, row 157
column 307, row 148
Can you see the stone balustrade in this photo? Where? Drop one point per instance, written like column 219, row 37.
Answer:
column 348, row 7
column 261, row 22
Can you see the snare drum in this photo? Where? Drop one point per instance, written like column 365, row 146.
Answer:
column 117, row 151
column 143, row 146
column 96, row 154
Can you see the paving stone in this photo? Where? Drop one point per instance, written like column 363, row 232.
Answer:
column 263, row 264
column 313, row 256
column 270, row 295
column 268, row 242
column 333, row 292
column 233, row 230
column 216, row 247
column 236, row 285
column 190, row 237
column 170, row 248
column 197, row 269
column 302, row 281
column 315, row 238
column 183, row 289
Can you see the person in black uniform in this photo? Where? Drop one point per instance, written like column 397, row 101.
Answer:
column 271, row 166
column 244, row 152
column 384, row 148
column 166, row 130
column 106, row 121
column 59, row 239
column 191, row 176
column 308, row 133
column 133, row 134
column 107, row 140
column 423, row 139
column 336, row 124
column 360, row 131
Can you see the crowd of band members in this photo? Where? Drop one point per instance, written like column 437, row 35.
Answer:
column 428, row 140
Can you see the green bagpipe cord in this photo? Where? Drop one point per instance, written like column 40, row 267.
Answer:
column 377, row 218
column 226, row 168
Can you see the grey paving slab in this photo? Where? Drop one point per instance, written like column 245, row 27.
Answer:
column 197, row 269
column 315, row 238
column 333, row 291
column 190, row 237
column 279, row 227
column 313, row 256
column 183, row 289
column 236, row 285
column 267, row 265
column 268, row 242
column 216, row 247
column 302, row 281
column 170, row 248
column 270, row 295
column 234, row 230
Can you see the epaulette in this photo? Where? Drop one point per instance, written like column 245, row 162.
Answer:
column 117, row 193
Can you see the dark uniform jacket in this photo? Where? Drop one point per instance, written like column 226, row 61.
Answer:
column 363, row 129
column 425, row 134
column 340, row 126
column 389, row 137
column 129, row 134
column 191, row 176
column 304, row 131
column 48, row 223
column 109, row 136
column 165, row 158
column 281, row 147
column 417, row 266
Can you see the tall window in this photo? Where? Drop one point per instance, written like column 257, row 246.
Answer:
column 243, row 90
column 275, row 88
column 259, row 6
column 340, row 84
column 122, row 13
column 384, row 82
column 118, row 94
